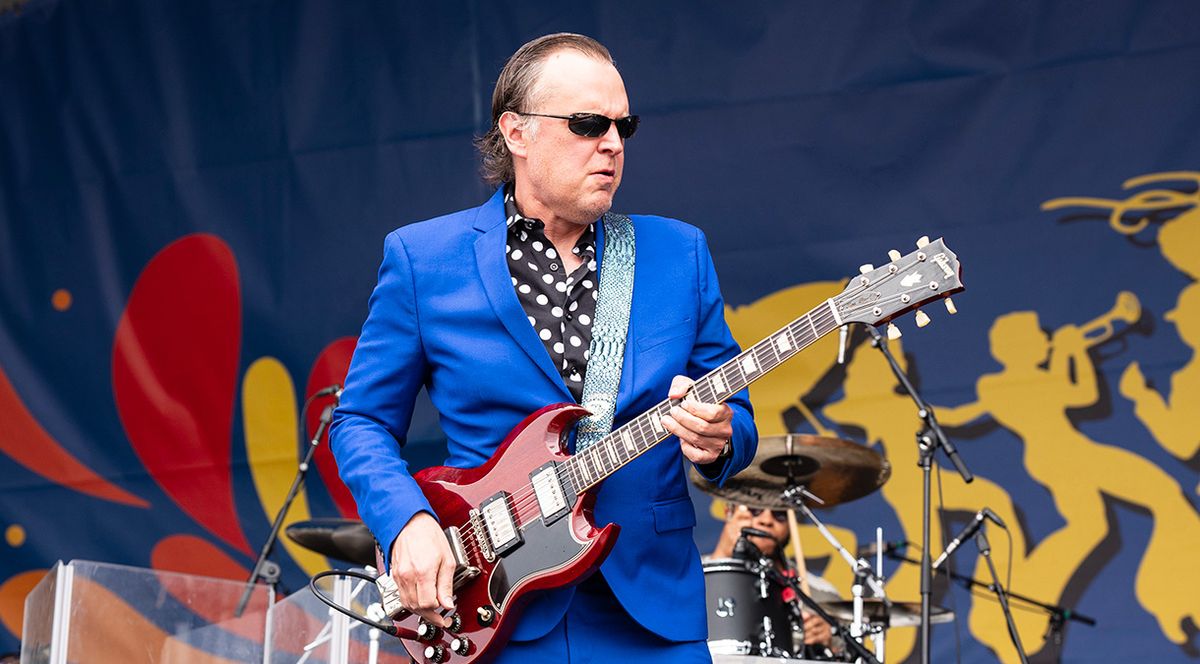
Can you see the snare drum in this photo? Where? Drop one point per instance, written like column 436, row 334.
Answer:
column 745, row 610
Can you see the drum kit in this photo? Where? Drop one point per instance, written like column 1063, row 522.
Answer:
column 753, row 602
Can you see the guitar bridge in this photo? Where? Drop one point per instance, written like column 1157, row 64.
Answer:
column 481, row 538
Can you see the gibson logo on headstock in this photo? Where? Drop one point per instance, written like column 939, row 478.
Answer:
column 944, row 262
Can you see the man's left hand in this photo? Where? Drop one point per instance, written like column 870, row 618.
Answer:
column 816, row 631
column 702, row 428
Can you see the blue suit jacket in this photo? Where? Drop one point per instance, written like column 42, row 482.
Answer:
column 444, row 316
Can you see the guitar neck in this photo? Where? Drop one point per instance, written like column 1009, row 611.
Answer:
column 608, row 455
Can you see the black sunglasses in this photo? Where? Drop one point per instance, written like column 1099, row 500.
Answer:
column 593, row 125
column 780, row 515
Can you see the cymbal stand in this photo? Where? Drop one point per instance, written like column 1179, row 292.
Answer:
column 860, row 651
column 929, row 439
column 863, row 574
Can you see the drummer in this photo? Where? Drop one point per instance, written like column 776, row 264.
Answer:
column 816, row 631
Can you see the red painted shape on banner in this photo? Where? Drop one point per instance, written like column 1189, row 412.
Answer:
column 34, row 448
column 175, row 371
column 331, row 367
column 197, row 557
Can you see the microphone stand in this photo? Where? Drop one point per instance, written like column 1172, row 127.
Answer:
column 265, row 569
column 981, row 542
column 929, row 439
column 1058, row 615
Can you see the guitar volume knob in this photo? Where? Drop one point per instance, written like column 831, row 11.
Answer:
column 456, row 623
column 461, row 645
column 427, row 631
column 436, row 654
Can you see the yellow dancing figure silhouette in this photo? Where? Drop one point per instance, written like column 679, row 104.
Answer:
column 1032, row 399
column 890, row 418
column 1180, row 235
column 1170, row 419
column 780, row 392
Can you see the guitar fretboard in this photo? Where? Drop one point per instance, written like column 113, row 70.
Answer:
column 609, row 454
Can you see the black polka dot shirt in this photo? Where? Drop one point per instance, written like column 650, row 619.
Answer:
column 560, row 306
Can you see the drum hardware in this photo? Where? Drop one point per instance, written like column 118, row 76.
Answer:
column 886, row 614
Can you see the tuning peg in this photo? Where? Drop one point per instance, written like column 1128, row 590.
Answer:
column 922, row 241
column 893, row 332
column 893, row 255
column 865, row 268
column 922, row 318
column 950, row 306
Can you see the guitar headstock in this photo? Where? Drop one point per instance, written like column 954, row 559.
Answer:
column 879, row 294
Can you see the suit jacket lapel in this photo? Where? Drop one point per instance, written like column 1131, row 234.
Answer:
column 497, row 283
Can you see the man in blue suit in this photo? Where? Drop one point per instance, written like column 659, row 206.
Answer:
column 490, row 310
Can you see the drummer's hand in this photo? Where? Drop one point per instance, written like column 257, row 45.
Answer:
column 423, row 568
column 703, row 428
column 816, row 630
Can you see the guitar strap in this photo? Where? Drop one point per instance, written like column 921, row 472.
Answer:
column 606, row 354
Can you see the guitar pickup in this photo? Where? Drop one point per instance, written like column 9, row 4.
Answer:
column 554, row 497
column 500, row 521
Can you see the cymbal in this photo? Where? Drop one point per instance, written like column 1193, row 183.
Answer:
column 343, row 539
column 836, row 471
column 901, row 614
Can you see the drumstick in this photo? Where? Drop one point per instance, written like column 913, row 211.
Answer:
column 798, row 551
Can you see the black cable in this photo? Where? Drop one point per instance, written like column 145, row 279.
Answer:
column 312, row 585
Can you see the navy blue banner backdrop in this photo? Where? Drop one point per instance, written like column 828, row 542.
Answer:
column 194, row 196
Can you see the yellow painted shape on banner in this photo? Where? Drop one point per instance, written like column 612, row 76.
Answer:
column 270, row 420
column 1172, row 420
column 1180, row 235
column 780, row 392
column 872, row 403
column 1032, row 401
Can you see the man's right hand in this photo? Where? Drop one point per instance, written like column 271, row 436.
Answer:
column 423, row 568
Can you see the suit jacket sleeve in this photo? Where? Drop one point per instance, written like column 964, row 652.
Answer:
column 715, row 346
column 371, row 424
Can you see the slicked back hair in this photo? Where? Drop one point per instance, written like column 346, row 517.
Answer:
column 515, row 92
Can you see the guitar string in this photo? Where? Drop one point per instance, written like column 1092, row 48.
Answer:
column 523, row 501
column 524, row 498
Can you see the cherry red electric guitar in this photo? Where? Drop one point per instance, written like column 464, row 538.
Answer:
column 522, row 522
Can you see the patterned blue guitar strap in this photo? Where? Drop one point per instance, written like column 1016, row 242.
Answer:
column 606, row 354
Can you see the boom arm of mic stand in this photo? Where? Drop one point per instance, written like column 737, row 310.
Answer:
column 838, row 628
column 969, row 583
column 273, row 537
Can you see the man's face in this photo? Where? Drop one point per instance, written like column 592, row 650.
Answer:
column 766, row 521
column 574, row 177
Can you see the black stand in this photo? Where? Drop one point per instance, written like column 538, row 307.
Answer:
column 981, row 542
column 929, row 439
column 1058, row 615
column 265, row 569
column 838, row 629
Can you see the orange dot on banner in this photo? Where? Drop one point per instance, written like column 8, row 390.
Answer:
column 14, row 535
column 61, row 300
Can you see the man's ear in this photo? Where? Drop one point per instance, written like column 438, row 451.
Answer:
column 515, row 130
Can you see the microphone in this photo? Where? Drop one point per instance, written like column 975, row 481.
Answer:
column 335, row 390
column 744, row 549
column 888, row 548
column 967, row 533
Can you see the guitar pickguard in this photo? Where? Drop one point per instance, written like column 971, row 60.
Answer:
column 545, row 549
